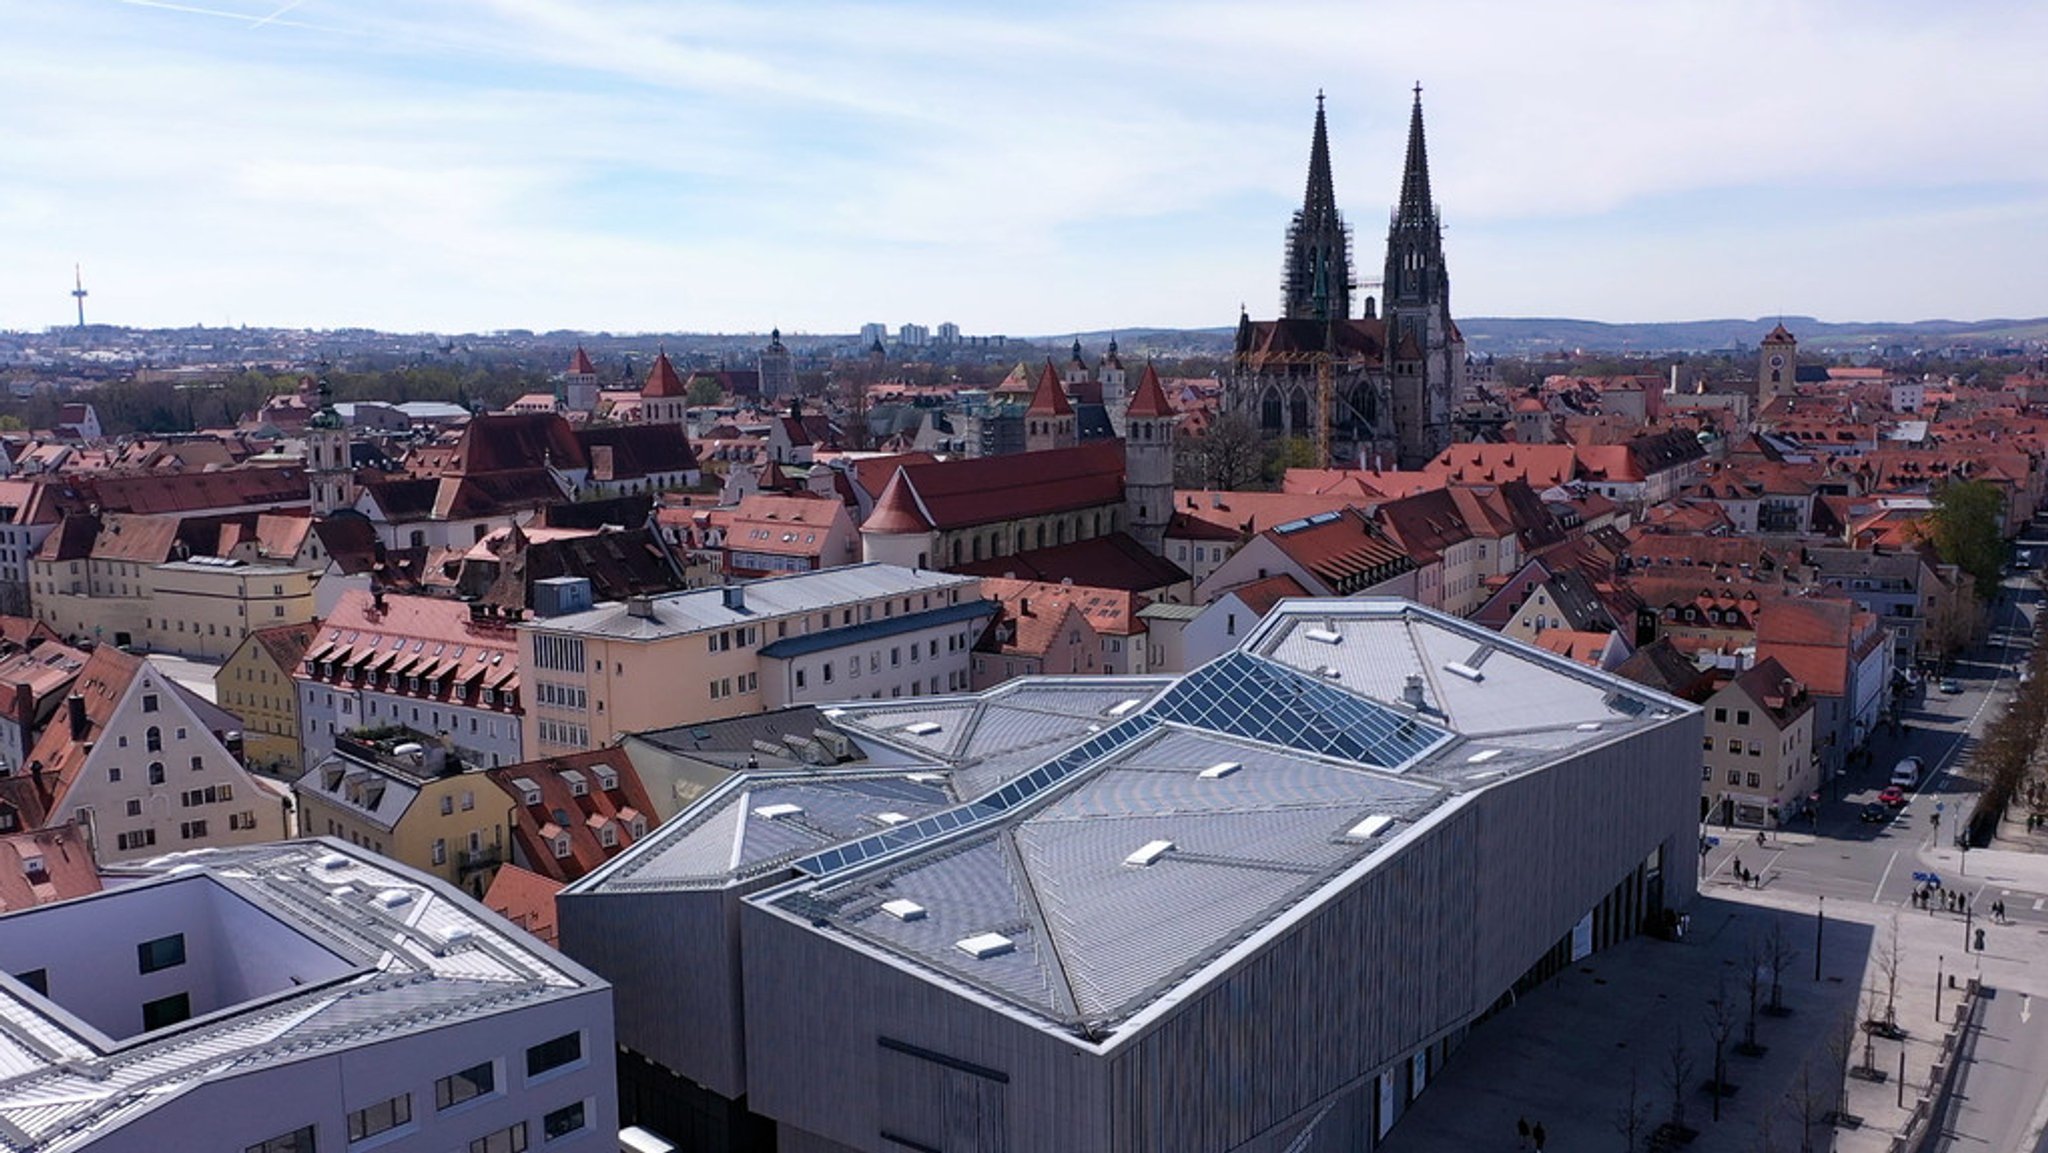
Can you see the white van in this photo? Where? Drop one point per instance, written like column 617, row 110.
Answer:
column 1906, row 773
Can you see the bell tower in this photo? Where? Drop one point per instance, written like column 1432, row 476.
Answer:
column 329, row 467
column 1148, row 463
column 1777, row 366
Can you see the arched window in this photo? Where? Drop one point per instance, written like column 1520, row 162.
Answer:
column 153, row 740
column 1297, row 414
column 1269, row 412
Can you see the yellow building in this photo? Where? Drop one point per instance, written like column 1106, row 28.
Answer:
column 256, row 685
column 411, row 801
column 204, row 607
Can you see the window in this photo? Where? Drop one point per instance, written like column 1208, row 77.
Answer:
column 440, row 851
column 1721, row 716
column 562, row 1122
column 554, row 1054
column 1755, row 749
column 113, row 774
column 295, row 1141
column 162, row 953
column 198, row 764
column 149, row 702
column 164, row 1012
column 1707, row 743
column 1734, row 776
column 374, row 1119
column 511, row 1139
column 1741, row 716
column 1754, row 781
column 1734, row 745
column 153, row 740
column 139, row 839
column 156, row 772
column 447, row 806
column 470, row 1083
column 191, row 830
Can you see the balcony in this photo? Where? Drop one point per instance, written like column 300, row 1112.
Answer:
column 488, row 857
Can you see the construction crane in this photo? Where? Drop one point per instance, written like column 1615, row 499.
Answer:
column 1324, row 363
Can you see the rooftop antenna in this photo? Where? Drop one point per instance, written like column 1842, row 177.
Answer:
column 78, row 292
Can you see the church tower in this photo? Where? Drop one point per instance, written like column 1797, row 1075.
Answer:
column 1049, row 422
column 328, row 464
column 1148, row 463
column 579, row 384
column 1777, row 366
column 775, row 370
column 1316, row 279
column 1111, row 373
column 1425, row 352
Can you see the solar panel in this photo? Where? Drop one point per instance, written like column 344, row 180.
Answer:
column 1249, row 696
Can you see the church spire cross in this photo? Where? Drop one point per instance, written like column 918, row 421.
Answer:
column 1415, row 202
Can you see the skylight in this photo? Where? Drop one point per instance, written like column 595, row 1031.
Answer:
column 774, row 812
column 1220, row 770
column 984, row 945
column 1456, row 668
column 904, row 910
column 922, row 728
column 1370, row 827
column 1150, row 852
column 1326, row 636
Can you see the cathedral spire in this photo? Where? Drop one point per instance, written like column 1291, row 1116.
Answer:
column 1416, row 202
column 1316, row 278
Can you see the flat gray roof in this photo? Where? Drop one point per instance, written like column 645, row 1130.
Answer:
column 694, row 610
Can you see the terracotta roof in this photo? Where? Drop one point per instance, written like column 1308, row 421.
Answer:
column 1773, row 687
column 1115, row 561
column 897, row 510
column 1113, row 612
column 1357, row 339
column 986, row 490
column 1261, row 595
column 1246, row 513
column 526, row 899
column 1149, row 402
column 1779, row 335
column 637, row 450
column 514, row 442
column 662, row 380
column 24, row 632
column 1346, row 552
column 1028, row 626
column 1541, row 465
column 60, row 754
column 1048, row 399
column 1575, row 645
column 564, row 810
column 286, row 645
column 1660, row 665
column 189, row 491
column 41, row 866
column 580, row 365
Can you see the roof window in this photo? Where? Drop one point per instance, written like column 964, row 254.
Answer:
column 776, row 812
column 904, row 910
column 1150, row 852
column 1370, row 827
column 1219, row 770
column 1324, row 636
column 1460, row 669
column 985, row 945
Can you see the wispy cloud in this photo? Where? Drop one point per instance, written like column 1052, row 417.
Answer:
column 1013, row 167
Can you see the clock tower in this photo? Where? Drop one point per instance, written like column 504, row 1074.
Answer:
column 1777, row 366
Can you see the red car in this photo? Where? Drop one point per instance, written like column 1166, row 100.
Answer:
column 1893, row 796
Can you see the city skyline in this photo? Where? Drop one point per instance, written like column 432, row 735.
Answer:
column 530, row 164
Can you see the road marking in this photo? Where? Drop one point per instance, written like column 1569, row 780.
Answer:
column 2039, row 902
column 1887, row 876
column 2026, row 1006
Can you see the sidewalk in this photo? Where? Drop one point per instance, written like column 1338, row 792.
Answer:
column 1566, row 1053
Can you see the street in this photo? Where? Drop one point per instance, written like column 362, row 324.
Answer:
column 2002, row 1099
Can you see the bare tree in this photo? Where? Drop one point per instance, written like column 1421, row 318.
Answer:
column 1806, row 1105
column 1753, row 983
column 1841, row 1051
column 1719, row 1016
column 1633, row 1118
column 1888, row 966
column 1780, row 953
column 1678, row 1069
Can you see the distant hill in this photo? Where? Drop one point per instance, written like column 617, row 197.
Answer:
column 1535, row 335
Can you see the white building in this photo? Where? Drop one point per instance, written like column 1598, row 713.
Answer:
column 139, row 760
column 434, row 666
column 289, row 998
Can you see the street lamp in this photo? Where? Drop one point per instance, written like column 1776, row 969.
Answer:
column 1939, row 960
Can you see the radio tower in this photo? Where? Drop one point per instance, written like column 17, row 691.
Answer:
column 78, row 293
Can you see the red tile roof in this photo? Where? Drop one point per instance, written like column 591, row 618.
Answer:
column 526, row 899
column 563, row 810
column 1261, row 595
column 897, row 509
column 1149, row 402
column 992, row 489
column 45, row 865
column 57, row 753
column 1346, row 552
column 580, row 363
column 1115, row 561
column 662, row 380
column 1049, row 400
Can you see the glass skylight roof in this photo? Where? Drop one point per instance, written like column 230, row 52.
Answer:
column 1251, row 697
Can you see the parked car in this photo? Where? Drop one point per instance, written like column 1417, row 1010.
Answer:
column 1950, row 686
column 1906, row 773
column 1893, row 796
column 1874, row 813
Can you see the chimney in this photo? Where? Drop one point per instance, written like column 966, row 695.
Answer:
column 1023, row 606
column 1411, row 692
column 377, row 599
column 736, row 598
column 640, row 606
column 74, row 707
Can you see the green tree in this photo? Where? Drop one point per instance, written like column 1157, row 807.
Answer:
column 704, row 391
column 1283, row 453
column 1226, row 457
column 1964, row 528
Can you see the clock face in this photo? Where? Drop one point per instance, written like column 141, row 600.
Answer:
column 1777, row 361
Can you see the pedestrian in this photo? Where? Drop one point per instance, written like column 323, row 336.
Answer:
column 1521, row 1132
column 1537, row 1133
column 1759, row 838
column 1738, row 866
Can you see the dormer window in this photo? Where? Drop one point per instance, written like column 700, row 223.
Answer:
column 607, row 778
column 562, row 846
column 608, row 834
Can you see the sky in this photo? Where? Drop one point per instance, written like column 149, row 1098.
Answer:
column 1013, row 167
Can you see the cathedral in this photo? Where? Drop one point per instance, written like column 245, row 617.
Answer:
column 1395, row 369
